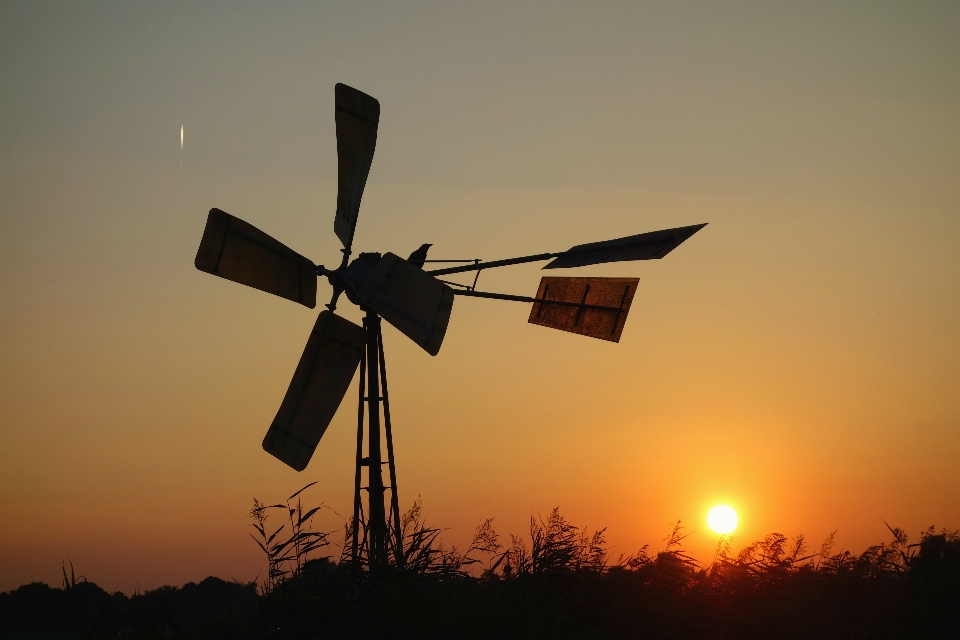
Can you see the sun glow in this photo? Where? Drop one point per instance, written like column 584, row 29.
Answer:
column 722, row 519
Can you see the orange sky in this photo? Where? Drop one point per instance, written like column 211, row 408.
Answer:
column 798, row 359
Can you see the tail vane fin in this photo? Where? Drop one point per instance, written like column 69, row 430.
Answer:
column 645, row 246
column 595, row 307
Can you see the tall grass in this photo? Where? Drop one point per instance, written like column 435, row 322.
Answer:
column 557, row 580
column 420, row 550
column 86, row 608
column 560, row 580
column 290, row 546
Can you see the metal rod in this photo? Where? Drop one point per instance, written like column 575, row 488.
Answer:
column 355, row 550
column 476, row 277
column 376, row 529
column 364, row 548
column 542, row 301
column 457, row 284
column 616, row 320
column 394, row 498
column 546, row 291
column 586, row 292
column 496, row 263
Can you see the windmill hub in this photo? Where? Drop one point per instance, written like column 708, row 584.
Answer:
column 359, row 272
column 411, row 299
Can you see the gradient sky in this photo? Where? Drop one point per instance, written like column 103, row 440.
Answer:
column 798, row 359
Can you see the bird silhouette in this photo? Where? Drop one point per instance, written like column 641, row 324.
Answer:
column 418, row 257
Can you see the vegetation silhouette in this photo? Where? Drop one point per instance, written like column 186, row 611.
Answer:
column 557, row 581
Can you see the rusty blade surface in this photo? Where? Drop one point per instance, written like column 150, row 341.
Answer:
column 357, row 116
column 606, row 324
column 645, row 246
column 410, row 299
column 327, row 366
column 238, row 251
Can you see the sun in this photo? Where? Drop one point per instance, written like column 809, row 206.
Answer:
column 722, row 519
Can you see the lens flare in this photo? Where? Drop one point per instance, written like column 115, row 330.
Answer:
column 722, row 519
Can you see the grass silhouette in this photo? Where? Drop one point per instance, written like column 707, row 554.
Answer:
column 556, row 581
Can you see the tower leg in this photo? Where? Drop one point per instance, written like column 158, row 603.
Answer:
column 376, row 525
column 394, row 500
column 357, row 500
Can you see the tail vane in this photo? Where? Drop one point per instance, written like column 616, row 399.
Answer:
column 595, row 307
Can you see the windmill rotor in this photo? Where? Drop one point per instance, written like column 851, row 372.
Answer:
column 414, row 300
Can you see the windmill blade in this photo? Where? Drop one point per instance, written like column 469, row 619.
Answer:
column 645, row 246
column 357, row 116
column 238, row 251
column 327, row 366
column 410, row 299
column 595, row 307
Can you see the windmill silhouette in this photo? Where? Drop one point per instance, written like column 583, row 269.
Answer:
column 411, row 299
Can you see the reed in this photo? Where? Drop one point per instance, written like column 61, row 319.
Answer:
column 291, row 545
column 557, row 580
column 560, row 580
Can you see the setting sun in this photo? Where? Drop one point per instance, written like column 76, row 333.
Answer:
column 722, row 519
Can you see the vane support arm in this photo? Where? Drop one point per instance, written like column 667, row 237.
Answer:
column 543, row 301
column 479, row 266
column 645, row 246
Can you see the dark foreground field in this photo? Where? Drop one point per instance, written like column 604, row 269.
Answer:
column 556, row 583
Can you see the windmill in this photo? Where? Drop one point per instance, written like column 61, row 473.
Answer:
column 415, row 301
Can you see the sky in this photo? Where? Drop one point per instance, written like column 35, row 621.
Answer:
column 797, row 359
